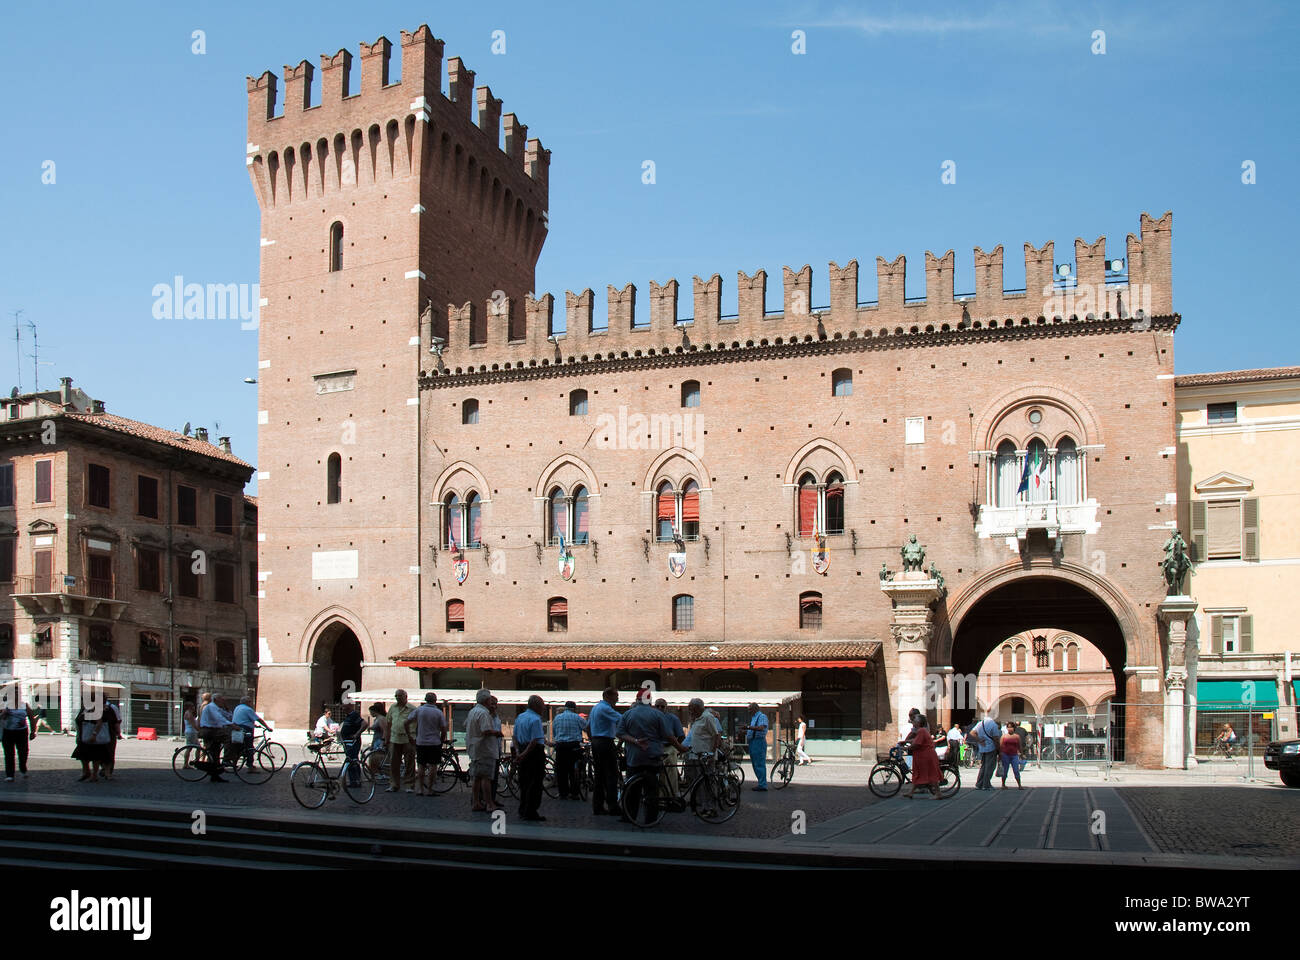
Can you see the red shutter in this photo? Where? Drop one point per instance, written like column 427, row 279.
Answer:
column 456, row 610
column 559, row 607
column 559, row 519
column 580, row 509
column 668, row 507
column 807, row 602
column 476, row 523
column 807, row 510
column 691, row 506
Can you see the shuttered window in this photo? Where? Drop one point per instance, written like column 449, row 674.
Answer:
column 455, row 616
column 44, row 481
column 1223, row 529
column 1232, row 633
column 1250, row 528
column 98, row 485
column 557, row 615
column 810, row 611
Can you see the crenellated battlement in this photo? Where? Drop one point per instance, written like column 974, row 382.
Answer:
column 503, row 335
column 366, row 130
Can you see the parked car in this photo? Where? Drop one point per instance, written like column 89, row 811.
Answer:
column 1284, row 757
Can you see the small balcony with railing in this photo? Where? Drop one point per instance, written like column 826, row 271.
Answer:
column 49, row 594
column 1050, row 495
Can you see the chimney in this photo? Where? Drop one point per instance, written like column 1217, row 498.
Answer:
column 201, row 433
column 97, row 406
column 65, row 390
column 224, row 443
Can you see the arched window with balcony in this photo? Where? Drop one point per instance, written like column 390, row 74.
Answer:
column 336, row 246
column 810, row 610
column 580, row 526
column 807, row 505
column 1007, row 466
column 557, row 517
column 665, row 512
column 333, row 478
column 842, row 382
column 834, row 505
column 568, row 516
column 453, row 522
column 1068, row 487
column 473, row 532
column 690, row 526
column 1037, row 474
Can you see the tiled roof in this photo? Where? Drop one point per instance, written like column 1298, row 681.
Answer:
column 577, row 653
column 110, row 421
column 1236, row 376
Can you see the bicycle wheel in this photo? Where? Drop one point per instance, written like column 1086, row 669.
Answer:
column 782, row 773
column 509, row 780
column 276, row 753
column 949, row 779
column 310, row 784
column 586, row 779
column 634, row 802
column 736, row 772
column 256, row 769
column 715, row 798
column 549, row 784
column 448, row 774
column 885, row 780
column 364, row 788
column 184, row 760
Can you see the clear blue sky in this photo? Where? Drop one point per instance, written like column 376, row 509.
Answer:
column 763, row 157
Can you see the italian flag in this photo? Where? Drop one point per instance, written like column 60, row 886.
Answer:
column 1033, row 468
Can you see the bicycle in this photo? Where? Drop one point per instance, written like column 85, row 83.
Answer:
column 380, row 772
column 783, row 770
column 312, row 784
column 449, row 770
column 190, row 760
column 330, row 746
column 711, row 794
column 508, row 770
column 276, row 751
column 888, row 776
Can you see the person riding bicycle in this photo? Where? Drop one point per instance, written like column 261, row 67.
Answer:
column 645, row 730
column 247, row 720
column 1226, row 739
column 350, row 730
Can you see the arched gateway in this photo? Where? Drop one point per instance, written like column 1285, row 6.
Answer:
column 1027, row 595
column 336, row 656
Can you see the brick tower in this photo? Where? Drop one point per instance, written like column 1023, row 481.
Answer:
column 381, row 205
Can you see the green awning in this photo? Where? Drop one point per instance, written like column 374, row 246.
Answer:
column 1236, row 694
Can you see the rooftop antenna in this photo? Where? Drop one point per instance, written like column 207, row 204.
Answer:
column 185, row 431
column 36, row 358
column 18, row 348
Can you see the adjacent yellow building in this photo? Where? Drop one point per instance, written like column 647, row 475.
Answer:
column 1238, row 437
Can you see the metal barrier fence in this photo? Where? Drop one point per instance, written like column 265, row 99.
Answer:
column 1222, row 741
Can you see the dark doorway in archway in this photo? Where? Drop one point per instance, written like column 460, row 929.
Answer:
column 1031, row 604
column 336, row 663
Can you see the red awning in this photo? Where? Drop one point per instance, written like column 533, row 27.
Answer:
column 630, row 664
column 559, row 607
column 667, row 507
column 691, row 505
column 456, row 610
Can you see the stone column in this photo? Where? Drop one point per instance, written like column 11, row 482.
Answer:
column 910, row 626
column 1174, row 614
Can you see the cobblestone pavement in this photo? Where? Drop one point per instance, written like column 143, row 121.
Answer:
column 1164, row 811
column 1220, row 819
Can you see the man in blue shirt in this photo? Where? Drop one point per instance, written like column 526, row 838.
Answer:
column 567, row 730
column 214, row 724
column 987, row 734
column 645, row 730
column 601, row 727
column 246, row 718
column 756, row 737
column 530, row 749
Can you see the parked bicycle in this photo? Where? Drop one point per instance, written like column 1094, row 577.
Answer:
column 783, row 770
column 705, row 788
column 192, row 762
column 331, row 747
column 312, row 783
column 888, row 775
column 449, row 770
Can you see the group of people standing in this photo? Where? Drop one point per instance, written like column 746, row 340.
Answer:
column 999, row 748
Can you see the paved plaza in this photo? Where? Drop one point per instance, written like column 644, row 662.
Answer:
column 1130, row 816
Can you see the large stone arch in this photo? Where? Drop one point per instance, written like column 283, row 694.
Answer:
column 317, row 627
column 1139, row 648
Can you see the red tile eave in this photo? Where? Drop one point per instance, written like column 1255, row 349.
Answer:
column 629, row 664
column 806, row 664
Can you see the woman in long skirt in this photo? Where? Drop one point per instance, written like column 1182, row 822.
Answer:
column 925, row 760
